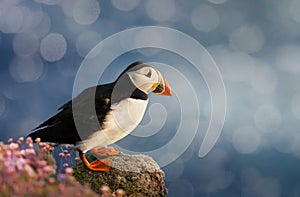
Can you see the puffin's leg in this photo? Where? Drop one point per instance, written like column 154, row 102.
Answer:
column 102, row 165
column 105, row 151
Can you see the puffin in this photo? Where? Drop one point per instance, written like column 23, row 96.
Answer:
column 118, row 109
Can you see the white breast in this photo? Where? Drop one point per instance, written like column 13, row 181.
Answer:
column 120, row 121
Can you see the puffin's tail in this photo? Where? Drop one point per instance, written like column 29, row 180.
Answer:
column 53, row 135
column 45, row 134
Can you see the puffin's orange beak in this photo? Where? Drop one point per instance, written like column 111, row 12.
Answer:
column 163, row 88
column 167, row 89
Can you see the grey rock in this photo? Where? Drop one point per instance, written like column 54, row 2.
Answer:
column 137, row 175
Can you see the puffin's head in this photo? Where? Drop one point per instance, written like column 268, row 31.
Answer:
column 148, row 79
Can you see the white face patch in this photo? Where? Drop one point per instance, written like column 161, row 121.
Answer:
column 144, row 78
column 120, row 121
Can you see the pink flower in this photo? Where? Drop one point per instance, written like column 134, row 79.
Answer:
column 66, row 165
column 45, row 149
column 14, row 146
column 68, row 155
column 21, row 139
column 10, row 169
column 51, row 180
column 48, row 170
column 105, row 190
column 7, row 154
column 29, row 152
column 42, row 144
column 10, row 140
column 22, row 152
column 50, row 148
column 69, row 171
column 40, row 172
column 38, row 140
column 30, row 172
column 119, row 193
column 29, row 140
column 30, row 145
column 42, row 163
column 20, row 163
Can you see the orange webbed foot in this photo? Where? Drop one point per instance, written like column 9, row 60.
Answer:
column 102, row 165
column 105, row 151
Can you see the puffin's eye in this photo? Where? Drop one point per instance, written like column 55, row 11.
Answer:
column 149, row 74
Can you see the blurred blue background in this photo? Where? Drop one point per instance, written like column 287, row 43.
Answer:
column 256, row 45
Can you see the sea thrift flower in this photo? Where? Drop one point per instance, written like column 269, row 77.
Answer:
column 20, row 163
column 51, row 148
column 38, row 140
column 42, row 163
column 45, row 149
column 48, row 170
column 119, row 193
column 69, row 171
column 30, row 145
column 29, row 140
column 65, row 165
column 22, row 153
column 30, row 172
column 40, row 172
column 10, row 140
column 27, row 172
column 105, row 191
column 51, row 180
column 68, row 155
column 7, row 154
column 29, row 152
column 14, row 146
column 42, row 144
column 21, row 139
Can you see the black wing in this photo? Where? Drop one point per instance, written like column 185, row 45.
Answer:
column 61, row 127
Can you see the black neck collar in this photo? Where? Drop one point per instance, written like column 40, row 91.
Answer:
column 138, row 94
